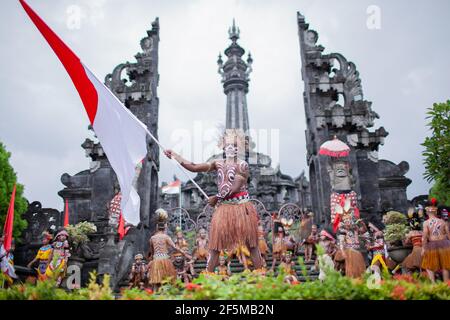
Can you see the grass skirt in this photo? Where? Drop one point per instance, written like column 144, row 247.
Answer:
column 161, row 269
column 414, row 259
column 354, row 263
column 263, row 248
column 201, row 254
column 233, row 225
column 437, row 255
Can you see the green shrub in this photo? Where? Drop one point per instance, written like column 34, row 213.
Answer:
column 249, row 286
column 394, row 217
column 395, row 232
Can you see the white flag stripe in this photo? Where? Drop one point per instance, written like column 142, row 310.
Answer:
column 123, row 137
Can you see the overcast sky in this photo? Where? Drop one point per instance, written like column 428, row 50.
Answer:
column 403, row 66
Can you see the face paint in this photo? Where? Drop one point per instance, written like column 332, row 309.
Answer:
column 230, row 150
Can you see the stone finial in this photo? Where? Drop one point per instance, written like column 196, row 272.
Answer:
column 234, row 32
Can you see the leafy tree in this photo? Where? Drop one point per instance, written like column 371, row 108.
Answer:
column 437, row 152
column 7, row 180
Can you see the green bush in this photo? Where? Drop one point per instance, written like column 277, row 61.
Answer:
column 394, row 217
column 249, row 286
column 7, row 180
column 395, row 232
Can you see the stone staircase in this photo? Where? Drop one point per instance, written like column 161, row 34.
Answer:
column 237, row 267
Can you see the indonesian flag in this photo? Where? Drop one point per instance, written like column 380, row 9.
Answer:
column 121, row 134
column 172, row 188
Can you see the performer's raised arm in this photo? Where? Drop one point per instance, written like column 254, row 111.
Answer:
column 189, row 165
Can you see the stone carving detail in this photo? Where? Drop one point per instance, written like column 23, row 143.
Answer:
column 334, row 105
column 290, row 211
column 179, row 217
column 39, row 220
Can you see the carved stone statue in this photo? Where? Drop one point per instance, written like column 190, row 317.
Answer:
column 185, row 269
column 343, row 200
column 223, row 269
column 340, row 175
column 138, row 273
column 201, row 245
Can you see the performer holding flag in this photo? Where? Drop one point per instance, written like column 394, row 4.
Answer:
column 235, row 220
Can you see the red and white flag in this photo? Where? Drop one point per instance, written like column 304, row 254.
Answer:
column 121, row 134
column 172, row 188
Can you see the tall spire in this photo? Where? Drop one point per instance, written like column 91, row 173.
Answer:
column 235, row 78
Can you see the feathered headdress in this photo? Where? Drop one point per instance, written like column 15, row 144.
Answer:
column 235, row 136
column 139, row 256
column 327, row 235
column 161, row 217
column 432, row 208
column 287, row 223
column 223, row 254
column 47, row 235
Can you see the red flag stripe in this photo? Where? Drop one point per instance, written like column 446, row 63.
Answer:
column 8, row 228
column 71, row 63
column 121, row 227
column 66, row 213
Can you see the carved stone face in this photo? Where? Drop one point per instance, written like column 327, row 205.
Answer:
column 340, row 176
column 341, row 170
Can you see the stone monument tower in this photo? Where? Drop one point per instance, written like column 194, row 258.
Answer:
column 267, row 184
column 335, row 106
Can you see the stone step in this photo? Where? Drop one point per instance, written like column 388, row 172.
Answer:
column 237, row 267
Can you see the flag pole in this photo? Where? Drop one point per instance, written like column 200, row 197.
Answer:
column 178, row 164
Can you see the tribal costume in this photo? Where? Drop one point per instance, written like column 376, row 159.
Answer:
column 262, row 244
column 436, row 245
column 349, row 253
column 379, row 253
column 138, row 273
column 161, row 267
column 7, row 265
column 43, row 256
column 201, row 250
column 414, row 260
column 235, row 220
column 57, row 266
